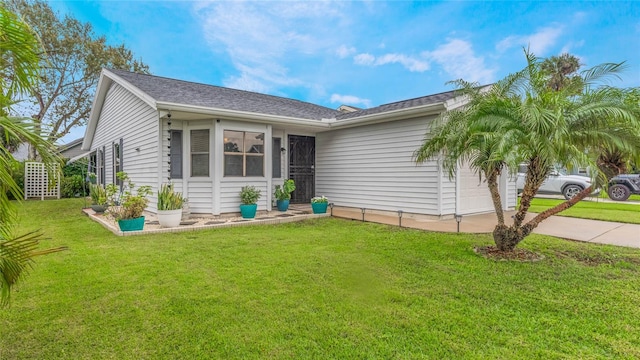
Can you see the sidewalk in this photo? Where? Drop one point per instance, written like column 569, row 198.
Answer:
column 602, row 232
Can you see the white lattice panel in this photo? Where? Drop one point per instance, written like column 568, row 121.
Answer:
column 36, row 180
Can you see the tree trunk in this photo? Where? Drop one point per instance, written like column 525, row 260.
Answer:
column 528, row 227
column 492, row 182
column 507, row 237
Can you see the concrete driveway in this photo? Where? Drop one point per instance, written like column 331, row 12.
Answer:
column 602, row 232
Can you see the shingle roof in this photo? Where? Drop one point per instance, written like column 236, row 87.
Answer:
column 189, row 93
column 399, row 105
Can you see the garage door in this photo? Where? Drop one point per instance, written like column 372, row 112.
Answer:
column 473, row 195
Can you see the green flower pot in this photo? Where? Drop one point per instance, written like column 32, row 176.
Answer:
column 136, row 224
column 248, row 211
column 319, row 208
column 283, row 205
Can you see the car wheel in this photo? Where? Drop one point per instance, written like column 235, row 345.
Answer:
column 570, row 191
column 619, row 192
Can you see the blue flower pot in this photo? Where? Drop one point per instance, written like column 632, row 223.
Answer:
column 136, row 224
column 319, row 208
column 283, row 205
column 248, row 211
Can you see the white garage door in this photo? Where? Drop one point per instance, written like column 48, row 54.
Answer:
column 473, row 195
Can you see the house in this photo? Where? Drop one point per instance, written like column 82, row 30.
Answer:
column 72, row 150
column 209, row 141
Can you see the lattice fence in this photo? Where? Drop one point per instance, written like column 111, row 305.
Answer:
column 36, row 180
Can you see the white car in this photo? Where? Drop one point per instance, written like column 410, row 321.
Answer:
column 558, row 182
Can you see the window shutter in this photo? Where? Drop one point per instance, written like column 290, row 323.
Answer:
column 176, row 154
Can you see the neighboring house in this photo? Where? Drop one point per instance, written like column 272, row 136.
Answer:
column 72, row 150
column 210, row 141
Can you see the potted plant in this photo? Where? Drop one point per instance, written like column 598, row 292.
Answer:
column 99, row 198
column 169, row 206
column 249, row 196
column 319, row 204
column 130, row 204
column 283, row 194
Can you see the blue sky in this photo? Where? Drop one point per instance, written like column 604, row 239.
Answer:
column 360, row 53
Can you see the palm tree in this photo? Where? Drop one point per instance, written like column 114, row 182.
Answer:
column 562, row 72
column 520, row 119
column 19, row 59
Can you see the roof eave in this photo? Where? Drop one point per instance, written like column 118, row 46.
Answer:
column 243, row 115
column 424, row 110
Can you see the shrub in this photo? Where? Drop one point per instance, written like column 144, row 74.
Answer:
column 168, row 199
column 78, row 167
column 16, row 168
column 73, row 186
column 249, row 195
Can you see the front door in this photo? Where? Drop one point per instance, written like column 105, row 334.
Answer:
column 302, row 159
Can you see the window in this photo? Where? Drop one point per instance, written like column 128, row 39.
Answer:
column 175, row 154
column 200, row 153
column 92, row 168
column 243, row 153
column 117, row 161
column 276, row 164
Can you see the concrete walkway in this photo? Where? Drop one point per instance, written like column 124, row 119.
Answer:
column 602, row 232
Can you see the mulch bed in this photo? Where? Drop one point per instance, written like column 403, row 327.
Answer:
column 492, row 252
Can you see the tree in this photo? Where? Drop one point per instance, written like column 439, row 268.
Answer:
column 521, row 119
column 19, row 49
column 70, row 68
column 562, row 72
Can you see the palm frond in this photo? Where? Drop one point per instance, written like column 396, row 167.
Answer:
column 16, row 257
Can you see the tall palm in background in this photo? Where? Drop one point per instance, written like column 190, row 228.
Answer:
column 522, row 119
column 563, row 72
column 19, row 58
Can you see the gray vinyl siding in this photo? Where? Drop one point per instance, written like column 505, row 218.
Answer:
column 372, row 167
column 447, row 193
column 200, row 194
column 230, row 195
column 125, row 116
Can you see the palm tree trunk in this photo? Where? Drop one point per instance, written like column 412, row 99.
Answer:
column 492, row 182
column 507, row 238
column 533, row 223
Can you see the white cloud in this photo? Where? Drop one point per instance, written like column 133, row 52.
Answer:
column 350, row 100
column 458, row 59
column 345, row 51
column 264, row 39
column 569, row 47
column 410, row 63
column 364, row 59
column 539, row 42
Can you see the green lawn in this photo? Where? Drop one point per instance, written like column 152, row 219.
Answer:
column 603, row 195
column 323, row 289
column 607, row 211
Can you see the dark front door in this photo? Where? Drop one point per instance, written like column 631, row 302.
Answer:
column 302, row 160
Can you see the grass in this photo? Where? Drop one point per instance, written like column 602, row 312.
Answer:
column 324, row 289
column 603, row 195
column 606, row 211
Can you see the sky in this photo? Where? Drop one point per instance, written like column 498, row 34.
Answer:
column 362, row 54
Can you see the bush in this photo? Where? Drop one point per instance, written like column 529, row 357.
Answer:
column 73, row 186
column 75, row 168
column 17, row 173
